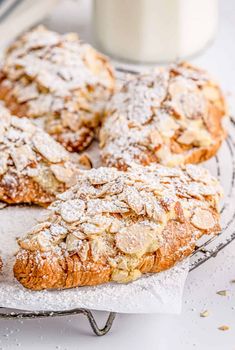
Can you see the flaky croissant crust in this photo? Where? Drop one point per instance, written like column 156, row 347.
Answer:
column 115, row 226
column 59, row 78
column 170, row 116
column 33, row 166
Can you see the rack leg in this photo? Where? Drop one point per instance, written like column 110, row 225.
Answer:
column 100, row 331
column 42, row 314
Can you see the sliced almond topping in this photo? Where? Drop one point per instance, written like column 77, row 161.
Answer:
column 72, row 210
column 190, row 105
column 5, row 117
column 119, row 275
column 3, row 162
column 99, row 248
column 91, row 229
column 123, row 276
column 187, row 137
column 203, row 219
column 98, row 206
column 101, row 176
column 179, row 85
column 2, row 132
column 155, row 138
column 134, row 200
column 64, row 174
column 49, row 148
column 83, row 251
column 23, row 124
column 211, row 92
column 22, row 156
column 198, row 173
column 135, row 239
column 40, row 227
column 73, row 244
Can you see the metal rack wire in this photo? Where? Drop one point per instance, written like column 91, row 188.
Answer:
column 204, row 251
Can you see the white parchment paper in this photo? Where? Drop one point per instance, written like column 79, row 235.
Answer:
column 160, row 293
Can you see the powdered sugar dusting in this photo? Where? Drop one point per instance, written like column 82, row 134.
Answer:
column 163, row 116
column 121, row 218
column 59, row 77
column 29, row 154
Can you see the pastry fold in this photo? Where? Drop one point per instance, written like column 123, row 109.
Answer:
column 59, row 78
column 34, row 168
column 170, row 116
column 115, row 226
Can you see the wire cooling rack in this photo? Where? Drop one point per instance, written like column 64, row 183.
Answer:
column 223, row 167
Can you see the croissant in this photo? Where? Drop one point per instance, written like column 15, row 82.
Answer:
column 170, row 116
column 115, row 226
column 59, row 78
column 33, row 166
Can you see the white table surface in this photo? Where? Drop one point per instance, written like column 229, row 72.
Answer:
column 159, row 332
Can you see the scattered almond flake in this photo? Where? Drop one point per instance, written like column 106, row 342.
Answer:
column 154, row 115
column 224, row 328
column 61, row 77
column 204, row 313
column 223, row 293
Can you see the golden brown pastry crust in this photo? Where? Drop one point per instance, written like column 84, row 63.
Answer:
column 115, row 226
column 172, row 116
column 33, row 167
column 59, row 78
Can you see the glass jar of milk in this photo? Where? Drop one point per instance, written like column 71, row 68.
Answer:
column 154, row 30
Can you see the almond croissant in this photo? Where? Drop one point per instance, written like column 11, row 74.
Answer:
column 170, row 116
column 115, row 226
column 60, row 78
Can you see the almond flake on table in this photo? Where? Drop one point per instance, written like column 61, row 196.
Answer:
column 224, row 328
column 204, row 313
column 223, row 293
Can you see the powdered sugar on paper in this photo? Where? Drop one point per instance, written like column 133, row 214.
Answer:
column 160, row 293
